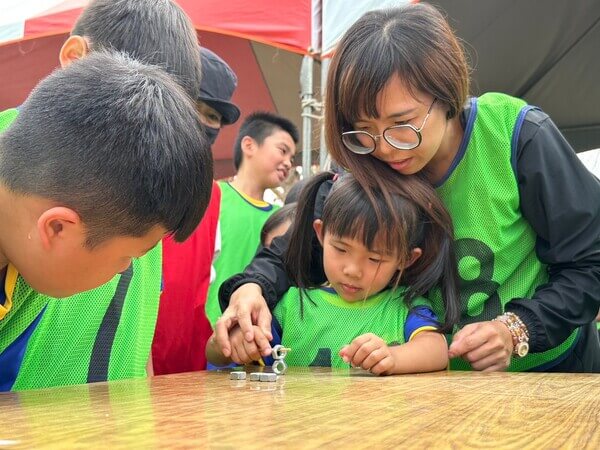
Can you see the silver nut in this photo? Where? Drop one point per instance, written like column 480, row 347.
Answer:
column 255, row 376
column 279, row 366
column 266, row 376
column 279, row 352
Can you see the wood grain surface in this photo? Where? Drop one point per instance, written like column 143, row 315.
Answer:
column 311, row 408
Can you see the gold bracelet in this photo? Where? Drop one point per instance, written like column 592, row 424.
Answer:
column 518, row 331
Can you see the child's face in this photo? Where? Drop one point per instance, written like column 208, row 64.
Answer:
column 397, row 106
column 272, row 160
column 66, row 266
column 354, row 271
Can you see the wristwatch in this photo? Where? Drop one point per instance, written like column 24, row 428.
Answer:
column 518, row 331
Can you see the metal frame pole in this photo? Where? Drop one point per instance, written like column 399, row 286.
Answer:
column 306, row 86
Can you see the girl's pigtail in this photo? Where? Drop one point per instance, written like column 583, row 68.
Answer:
column 437, row 266
column 304, row 254
column 436, row 269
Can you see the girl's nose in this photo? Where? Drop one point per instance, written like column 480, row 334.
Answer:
column 351, row 270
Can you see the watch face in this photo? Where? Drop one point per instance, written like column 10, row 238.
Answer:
column 522, row 349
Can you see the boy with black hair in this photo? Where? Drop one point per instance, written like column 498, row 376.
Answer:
column 106, row 333
column 76, row 208
column 155, row 32
column 263, row 154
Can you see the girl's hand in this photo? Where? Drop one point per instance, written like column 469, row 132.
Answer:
column 369, row 352
column 486, row 346
column 246, row 307
column 244, row 352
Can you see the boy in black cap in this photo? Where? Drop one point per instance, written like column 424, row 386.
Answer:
column 182, row 328
column 216, row 90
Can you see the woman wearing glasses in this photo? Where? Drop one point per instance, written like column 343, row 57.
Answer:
column 526, row 212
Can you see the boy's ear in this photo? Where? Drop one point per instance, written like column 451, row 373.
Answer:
column 248, row 146
column 75, row 47
column 414, row 255
column 59, row 223
column 318, row 227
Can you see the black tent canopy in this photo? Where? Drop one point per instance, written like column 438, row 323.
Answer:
column 544, row 51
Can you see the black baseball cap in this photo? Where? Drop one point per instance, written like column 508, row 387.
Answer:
column 217, row 86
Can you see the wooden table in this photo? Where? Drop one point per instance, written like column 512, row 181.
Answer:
column 311, row 408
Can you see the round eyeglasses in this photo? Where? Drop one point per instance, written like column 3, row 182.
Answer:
column 401, row 137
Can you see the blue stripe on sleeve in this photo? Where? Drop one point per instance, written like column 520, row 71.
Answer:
column 419, row 317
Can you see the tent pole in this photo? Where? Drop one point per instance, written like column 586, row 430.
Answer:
column 306, row 93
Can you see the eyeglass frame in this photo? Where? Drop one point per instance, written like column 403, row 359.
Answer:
column 395, row 127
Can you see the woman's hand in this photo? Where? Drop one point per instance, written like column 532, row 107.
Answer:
column 486, row 346
column 246, row 307
column 242, row 351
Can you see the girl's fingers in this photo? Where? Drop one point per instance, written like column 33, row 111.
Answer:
column 374, row 358
column 363, row 352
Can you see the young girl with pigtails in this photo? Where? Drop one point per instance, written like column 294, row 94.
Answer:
column 381, row 252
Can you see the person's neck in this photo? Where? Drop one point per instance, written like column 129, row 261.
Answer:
column 247, row 185
column 441, row 162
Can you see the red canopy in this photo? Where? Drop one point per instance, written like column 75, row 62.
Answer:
column 281, row 23
column 263, row 42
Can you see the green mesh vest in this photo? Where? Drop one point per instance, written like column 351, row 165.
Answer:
column 495, row 245
column 98, row 335
column 328, row 323
column 240, row 223
column 102, row 334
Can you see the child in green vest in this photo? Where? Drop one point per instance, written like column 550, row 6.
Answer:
column 525, row 210
column 379, row 254
column 105, row 333
column 90, row 181
column 262, row 156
